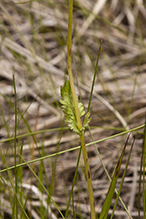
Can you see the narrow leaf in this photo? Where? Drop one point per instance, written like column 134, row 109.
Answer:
column 121, row 184
column 107, row 202
column 144, row 183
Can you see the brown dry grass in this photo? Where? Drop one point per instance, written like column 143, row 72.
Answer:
column 33, row 39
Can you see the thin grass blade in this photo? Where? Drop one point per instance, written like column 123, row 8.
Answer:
column 93, row 82
column 144, row 169
column 107, row 202
column 15, row 203
column 73, row 183
column 123, row 177
column 43, row 186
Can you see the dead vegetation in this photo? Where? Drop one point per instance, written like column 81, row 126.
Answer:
column 33, row 41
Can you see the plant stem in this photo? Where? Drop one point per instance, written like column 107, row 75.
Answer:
column 69, row 63
column 79, row 124
column 88, row 175
column 15, row 215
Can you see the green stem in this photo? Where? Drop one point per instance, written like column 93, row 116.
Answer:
column 88, row 175
column 16, row 171
column 79, row 124
column 69, row 63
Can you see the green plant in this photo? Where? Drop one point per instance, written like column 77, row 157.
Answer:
column 74, row 110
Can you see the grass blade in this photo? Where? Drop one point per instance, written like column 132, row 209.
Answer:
column 73, row 183
column 107, row 202
column 123, row 177
column 70, row 149
column 15, row 203
column 43, row 186
column 93, row 82
column 144, row 184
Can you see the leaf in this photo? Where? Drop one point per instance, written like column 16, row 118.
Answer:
column 109, row 196
column 86, row 120
column 69, row 110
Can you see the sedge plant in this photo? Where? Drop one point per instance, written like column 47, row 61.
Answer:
column 74, row 110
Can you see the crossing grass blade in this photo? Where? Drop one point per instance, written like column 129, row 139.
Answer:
column 107, row 202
